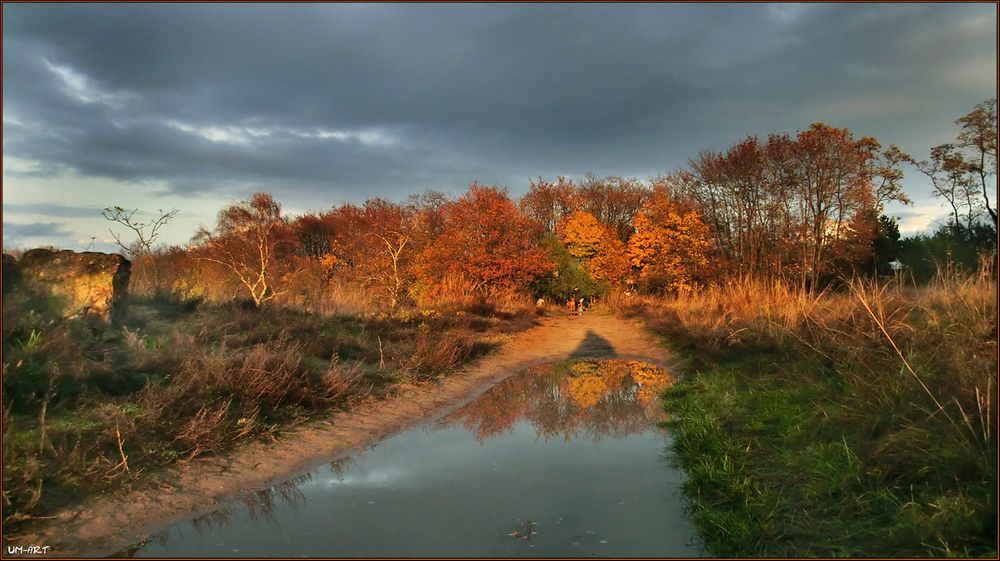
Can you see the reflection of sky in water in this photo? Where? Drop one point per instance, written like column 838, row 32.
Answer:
column 443, row 490
column 376, row 478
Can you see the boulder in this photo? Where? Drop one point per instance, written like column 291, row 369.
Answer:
column 90, row 285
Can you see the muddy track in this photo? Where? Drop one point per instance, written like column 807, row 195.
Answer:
column 105, row 525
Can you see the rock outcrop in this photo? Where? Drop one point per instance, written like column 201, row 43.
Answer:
column 90, row 285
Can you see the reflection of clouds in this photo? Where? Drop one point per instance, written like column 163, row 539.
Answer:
column 374, row 478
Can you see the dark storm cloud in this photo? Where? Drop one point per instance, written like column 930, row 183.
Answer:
column 354, row 100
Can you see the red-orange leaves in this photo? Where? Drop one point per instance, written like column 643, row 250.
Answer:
column 486, row 241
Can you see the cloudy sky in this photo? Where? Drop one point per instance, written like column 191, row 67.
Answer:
column 194, row 106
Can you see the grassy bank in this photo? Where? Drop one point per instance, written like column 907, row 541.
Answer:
column 858, row 422
column 89, row 411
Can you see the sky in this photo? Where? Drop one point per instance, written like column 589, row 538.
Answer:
column 196, row 106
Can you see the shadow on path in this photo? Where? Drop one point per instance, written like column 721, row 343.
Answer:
column 593, row 346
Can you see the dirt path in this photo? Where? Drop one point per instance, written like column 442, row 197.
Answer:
column 107, row 525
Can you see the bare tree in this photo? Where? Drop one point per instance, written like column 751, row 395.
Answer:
column 385, row 249
column 146, row 234
column 391, row 278
column 952, row 180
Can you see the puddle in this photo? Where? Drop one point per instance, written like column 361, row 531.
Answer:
column 561, row 460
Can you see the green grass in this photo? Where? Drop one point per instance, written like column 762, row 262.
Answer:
column 778, row 465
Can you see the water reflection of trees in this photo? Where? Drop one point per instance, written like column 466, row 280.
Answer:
column 597, row 398
column 260, row 505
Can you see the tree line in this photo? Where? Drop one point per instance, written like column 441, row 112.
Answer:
column 804, row 208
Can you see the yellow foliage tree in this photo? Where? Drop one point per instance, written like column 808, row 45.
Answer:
column 581, row 233
column 585, row 237
column 670, row 245
column 611, row 262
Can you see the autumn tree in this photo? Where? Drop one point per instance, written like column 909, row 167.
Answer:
column 612, row 200
column 246, row 240
column 581, row 233
column 372, row 245
column 795, row 206
column 485, row 241
column 347, row 222
column 428, row 209
column 886, row 172
column 833, row 192
column 314, row 235
column 313, row 238
column 670, row 245
column 740, row 199
column 547, row 203
column 596, row 244
column 610, row 263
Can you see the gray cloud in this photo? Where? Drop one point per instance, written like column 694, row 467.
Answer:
column 16, row 233
column 54, row 210
column 342, row 102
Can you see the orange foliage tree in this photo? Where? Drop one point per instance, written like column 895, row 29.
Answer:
column 597, row 244
column 670, row 245
column 611, row 263
column 370, row 246
column 485, row 241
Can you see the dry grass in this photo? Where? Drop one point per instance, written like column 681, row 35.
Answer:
column 867, row 412
column 940, row 338
column 88, row 412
